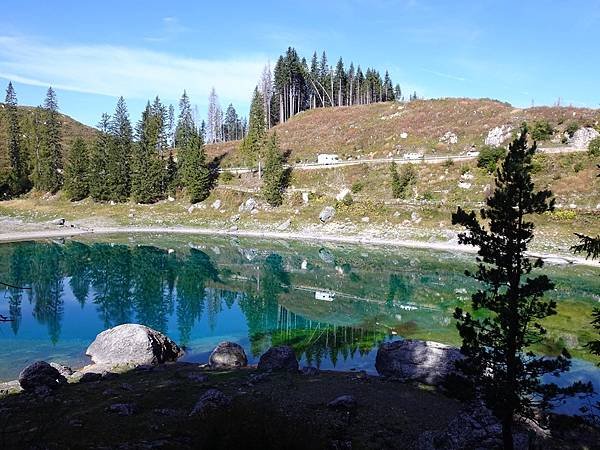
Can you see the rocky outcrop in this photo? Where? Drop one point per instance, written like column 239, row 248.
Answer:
column 133, row 344
column 285, row 225
column 327, row 214
column 279, row 358
column 211, row 400
column 412, row 360
column 449, row 138
column 248, row 206
column 228, row 355
column 498, row 135
column 582, row 137
column 40, row 377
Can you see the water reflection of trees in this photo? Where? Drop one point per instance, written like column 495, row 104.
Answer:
column 149, row 285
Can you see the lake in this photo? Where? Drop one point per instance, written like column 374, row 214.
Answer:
column 333, row 303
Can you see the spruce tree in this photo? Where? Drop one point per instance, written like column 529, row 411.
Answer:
column 401, row 182
column 147, row 167
column 498, row 336
column 47, row 174
column 119, row 153
column 194, row 172
column 252, row 145
column 99, row 180
column 77, row 171
column 273, row 178
column 171, row 175
column 17, row 182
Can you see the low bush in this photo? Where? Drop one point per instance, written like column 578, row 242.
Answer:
column 489, row 156
column 594, row 147
column 541, row 130
column 357, row 187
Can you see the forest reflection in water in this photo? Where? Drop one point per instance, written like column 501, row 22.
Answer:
column 333, row 304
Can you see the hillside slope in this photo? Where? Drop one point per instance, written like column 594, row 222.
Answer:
column 379, row 129
column 71, row 129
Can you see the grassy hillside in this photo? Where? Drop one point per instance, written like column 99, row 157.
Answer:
column 376, row 130
column 71, row 129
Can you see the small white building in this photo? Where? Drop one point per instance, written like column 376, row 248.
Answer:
column 327, row 158
column 325, row 296
column 413, row 155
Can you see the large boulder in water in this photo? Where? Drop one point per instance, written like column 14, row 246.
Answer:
column 279, row 358
column 228, row 355
column 413, row 360
column 133, row 344
column 40, row 377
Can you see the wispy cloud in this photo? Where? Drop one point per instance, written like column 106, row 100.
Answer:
column 171, row 28
column 444, row 75
column 131, row 72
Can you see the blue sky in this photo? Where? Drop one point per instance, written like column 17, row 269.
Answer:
column 92, row 52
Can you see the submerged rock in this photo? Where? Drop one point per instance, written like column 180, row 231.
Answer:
column 122, row 409
column 413, row 360
column 279, row 358
column 228, row 355
column 133, row 344
column 40, row 377
column 209, row 401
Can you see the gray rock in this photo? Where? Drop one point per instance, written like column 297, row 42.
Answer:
column 248, row 205
column 343, row 402
column 216, row 204
column 327, row 214
column 413, row 360
column 235, row 218
column 449, row 138
column 40, row 376
column 285, row 225
column 582, row 137
column 133, row 344
column 211, row 400
column 59, row 222
column 498, row 135
column 122, row 409
column 63, row 370
column 326, row 256
column 228, row 355
column 279, row 358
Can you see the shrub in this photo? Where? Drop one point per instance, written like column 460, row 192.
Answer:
column 578, row 167
column 541, row 130
column 448, row 163
column 538, row 162
column 226, row 176
column 401, row 182
column 594, row 147
column 357, row 187
column 563, row 214
column 489, row 156
column 572, row 127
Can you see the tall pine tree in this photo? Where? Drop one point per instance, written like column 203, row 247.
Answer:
column 99, row 184
column 77, row 171
column 499, row 335
column 194, row 172
column 274, row 175
column 147, row 166
column 252, row 145
column 16, row 180
column 119, row 153
column 47, row 174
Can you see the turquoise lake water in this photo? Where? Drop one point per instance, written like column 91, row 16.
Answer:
column 333, row 303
